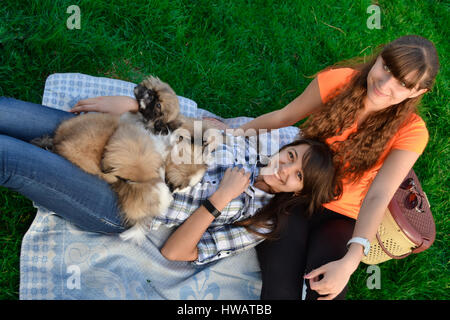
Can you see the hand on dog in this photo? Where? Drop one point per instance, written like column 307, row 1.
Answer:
column 106, row 104
column 234, row 182
column 215, row 123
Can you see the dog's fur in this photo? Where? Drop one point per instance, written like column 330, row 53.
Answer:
column 132, row 152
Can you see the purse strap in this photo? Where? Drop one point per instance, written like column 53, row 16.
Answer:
column 387, row 251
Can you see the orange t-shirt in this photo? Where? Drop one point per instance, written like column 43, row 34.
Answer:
column 412, row 136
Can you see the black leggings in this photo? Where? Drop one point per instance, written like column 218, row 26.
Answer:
column 304, row 245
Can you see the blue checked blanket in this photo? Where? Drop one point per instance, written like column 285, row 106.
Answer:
column 60, row 261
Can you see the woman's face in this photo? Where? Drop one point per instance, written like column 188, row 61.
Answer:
column 383, row 90
column 284, row 173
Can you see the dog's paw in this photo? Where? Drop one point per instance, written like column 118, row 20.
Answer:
column 135, row 234
column 44, row 142
column 153, row 83
column 165, row 197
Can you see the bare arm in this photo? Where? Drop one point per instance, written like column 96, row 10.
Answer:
column 301, row 107
column 107, row 104
column 337, row 273
column 392, row 173
column 182, row 244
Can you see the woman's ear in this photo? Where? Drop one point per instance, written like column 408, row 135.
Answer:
column 418, row 93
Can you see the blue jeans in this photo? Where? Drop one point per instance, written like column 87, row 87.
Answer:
column 47, row 178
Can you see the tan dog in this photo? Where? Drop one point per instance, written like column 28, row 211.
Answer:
column 132, row 152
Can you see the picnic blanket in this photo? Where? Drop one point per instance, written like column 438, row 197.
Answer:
column 60, row 261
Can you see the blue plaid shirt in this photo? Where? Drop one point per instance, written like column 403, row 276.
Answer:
column 221, row 238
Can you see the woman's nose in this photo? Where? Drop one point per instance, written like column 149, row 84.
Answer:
column 285, row 168
column 386, row 83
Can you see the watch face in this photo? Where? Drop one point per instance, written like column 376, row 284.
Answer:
column 366, row 247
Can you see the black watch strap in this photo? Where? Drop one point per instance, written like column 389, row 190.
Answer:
column 210, row 207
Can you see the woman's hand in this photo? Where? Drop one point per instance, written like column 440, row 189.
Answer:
column 215, row 123
column 336, row 275
column 182, row 244
column 233, row 183
column 107, row 104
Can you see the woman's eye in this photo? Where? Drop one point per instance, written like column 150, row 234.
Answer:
column 403, row 84
column 385, row 67
column 299, row 175
column 291, row 155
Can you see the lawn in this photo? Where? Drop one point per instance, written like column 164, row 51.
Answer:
column 234, row 58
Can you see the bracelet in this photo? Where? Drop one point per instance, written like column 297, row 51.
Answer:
column 362, row 241
column 211, row 209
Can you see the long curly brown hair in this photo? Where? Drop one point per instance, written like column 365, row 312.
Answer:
column 361, row 150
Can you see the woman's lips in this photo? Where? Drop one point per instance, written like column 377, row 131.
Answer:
column 378, row 92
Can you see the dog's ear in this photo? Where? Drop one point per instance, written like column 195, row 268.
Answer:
column 148, row 102
column 174, row 125
column 143, row 93
column 139, row 91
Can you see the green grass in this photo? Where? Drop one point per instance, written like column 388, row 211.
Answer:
column 233, row 58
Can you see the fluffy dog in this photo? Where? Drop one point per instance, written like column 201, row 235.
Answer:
column 132, row 152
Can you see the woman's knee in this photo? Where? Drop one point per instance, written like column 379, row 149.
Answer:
column 331, row 237
column 327, row 243
column 6, row 145
column 26, row 120
column 282, row 261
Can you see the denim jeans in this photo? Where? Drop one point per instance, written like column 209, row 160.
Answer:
column 47, row 178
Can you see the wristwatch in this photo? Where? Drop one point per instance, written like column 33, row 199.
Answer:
column 210, row 207
column 362, row 241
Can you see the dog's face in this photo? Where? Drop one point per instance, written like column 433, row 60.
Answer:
column 149, row 104
column 186, row 165
column 158, row 104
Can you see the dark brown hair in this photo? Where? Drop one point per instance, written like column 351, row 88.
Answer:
column 319, row 187
column 361, row 150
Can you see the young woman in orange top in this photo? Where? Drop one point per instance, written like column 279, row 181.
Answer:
column 367, row 114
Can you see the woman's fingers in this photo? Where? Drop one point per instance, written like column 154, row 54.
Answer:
column 82, row 108
column 87, row 105
column 328, row 297
column 216, row 123
column 314, row 274
column 87, row 101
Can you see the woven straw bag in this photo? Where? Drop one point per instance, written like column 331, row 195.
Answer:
column 407, row 227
